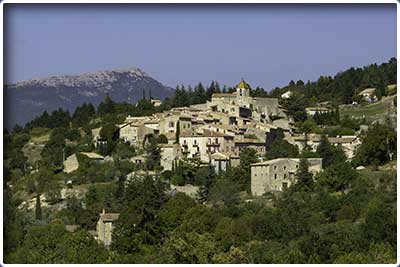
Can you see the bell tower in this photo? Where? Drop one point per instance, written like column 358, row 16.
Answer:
column 243, row 93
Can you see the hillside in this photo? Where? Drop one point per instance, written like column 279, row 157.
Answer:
column 373, row 112
column 24, row 100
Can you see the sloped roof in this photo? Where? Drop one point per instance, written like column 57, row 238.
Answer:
column 272, row 161
column 209, row 133
column 109, row 217
column 346, row 139
column 243, row 84
column 92, row 155
column 367, row 91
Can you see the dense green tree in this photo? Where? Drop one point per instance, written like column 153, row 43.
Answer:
column 138, row 225
column 380, row 222
column 53, row 152
column 224, row 191
column 107, row 106
column 153, row 155
column 53, row 244
column 304, row 176
column 329, row 153
column 247, row 157
column 109, row 135
column 162, row 139
column 83, row 114
column 378, row 145
column 281, row 149
column 338, row 176
column 172, row 212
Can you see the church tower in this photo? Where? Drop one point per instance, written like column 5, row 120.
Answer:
column 243, row 94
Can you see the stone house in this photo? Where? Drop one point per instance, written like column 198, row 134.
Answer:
column 286, row 95
column 368, row 95
column 242, row 143
column 300, row 140
column 71, row 164
column 311, row 111
column 349, row 144
column 96, row 136
column 202, row 146
column 105, row 227
column 169, row 153
column 155, row 102
column 220, row 161
column 278, row 174
column 134, row 132
column 129, row 132
column 169, row 123
column 241, row 104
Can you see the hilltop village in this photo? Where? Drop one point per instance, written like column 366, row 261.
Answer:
column 216, row 133
column 304, row 173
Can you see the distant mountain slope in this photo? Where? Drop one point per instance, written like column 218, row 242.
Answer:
column 24, row 100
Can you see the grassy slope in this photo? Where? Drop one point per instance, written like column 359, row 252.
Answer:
column 373, row 111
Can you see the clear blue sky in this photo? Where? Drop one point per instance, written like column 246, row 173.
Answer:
column 268, row 45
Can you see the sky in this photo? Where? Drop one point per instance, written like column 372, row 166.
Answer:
column 267, row 45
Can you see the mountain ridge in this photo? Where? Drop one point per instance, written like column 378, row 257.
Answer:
column 26, row 99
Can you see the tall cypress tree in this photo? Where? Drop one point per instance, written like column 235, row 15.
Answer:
column 177, row 133
column 38, row 208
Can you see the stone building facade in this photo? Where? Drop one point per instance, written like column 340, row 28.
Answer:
column 169, row 154
column 104, row 227
column 278, row 174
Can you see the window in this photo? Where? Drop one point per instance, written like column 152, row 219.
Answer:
column 275, row 176
column 274, row 167
column 297, row 166
column 284, row 176
column 284, row 167
column 171, row 124
column 284, row 185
